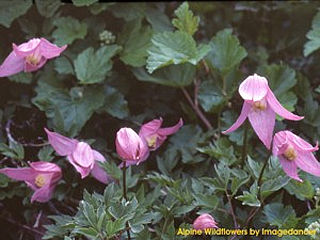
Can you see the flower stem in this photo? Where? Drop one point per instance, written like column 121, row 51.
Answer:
column 244, row 144
column 124, row 183
column 197, row 109
column 263, row 168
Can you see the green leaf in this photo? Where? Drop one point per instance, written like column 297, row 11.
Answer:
column 63, row 66
column 75, row 112
column 128, row 11
column 185, row 20
column 250, row 198
column 173, row 76
column 210, row 96
column 23, row 77
column 136, row 43
column 313, row 36
column 48, row 8
column 302, row 191
column 81, row 3
column 46, row 154
column 15, row 150
column 112, row 169
column 273, row 185
column 99, row 7
column 12, row 9
column 226, row 52
column 174, row 48
column 115, row 104
column 93, row 67
column 159, row 21
column 68, row 30
column 278, row 215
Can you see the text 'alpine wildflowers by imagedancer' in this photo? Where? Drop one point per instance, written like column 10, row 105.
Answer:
column 42, row 177
column 29, row 56
column 80, row 155
column 260, row 106
column 294, row 152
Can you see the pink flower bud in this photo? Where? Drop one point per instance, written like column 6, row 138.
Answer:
column 204, row 221
column 130, row 147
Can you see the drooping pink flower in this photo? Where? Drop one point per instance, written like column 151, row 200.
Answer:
column 131, row 147
column 260, row 106
column 42, row 177
column 29, row 56
column 80, row 155
column 294, row 152
column 204, row 221
column 155, row 135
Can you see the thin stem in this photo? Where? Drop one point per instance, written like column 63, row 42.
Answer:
column 197, row 109
column 263, row 168
column 232, row 211
column 244, row 144
column 124, row 183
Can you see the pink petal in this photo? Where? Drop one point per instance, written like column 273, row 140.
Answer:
column 45, row 167
column 127, row 144
column 150, row 128
column 279, row 109
column 83, row 155
column 263, row 122
column 254, row 88
column 62, row 145
column 27, row 48
column 280, row 143
column 290, row 168
column 204, row 221
column 300, row 143
column 246, row 107
column 100, row 174
column 98, row 156
column 308, row 163
column 171, row 130
column 84, row 172
column 12, row 64
column 21, row 174
column 43, row 194
column 31, row 68
column 49, row 50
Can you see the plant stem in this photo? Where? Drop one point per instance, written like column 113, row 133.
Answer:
column 263, row 168
column 244, row 144
column 232, row 211
column 124, row 183
column 197, row 109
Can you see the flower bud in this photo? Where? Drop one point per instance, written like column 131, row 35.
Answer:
column 204, row 221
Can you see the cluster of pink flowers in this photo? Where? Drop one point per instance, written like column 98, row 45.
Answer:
column 260, row 106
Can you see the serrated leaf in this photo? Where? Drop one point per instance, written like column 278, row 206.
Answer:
column 68, row 30
column 174, row 48
column 313, row 37
column 75, row 112
column 302, row 191
column 279, row 215
column 226, row 52
column 12, row 9
column 93, row 66
column 136, row 43
column 173, row 76
column 48, row 8
column 81, row 3
column 185, row 20
column 23, row 77
column 210, row 96
column 250, row 198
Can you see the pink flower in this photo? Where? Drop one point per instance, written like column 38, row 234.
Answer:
column 204, row 221
column 29, row 56
column 42, row 177
column 294, row 152
column 130, row 147
column 80, row 155
column 155, row 135
column 260, row 106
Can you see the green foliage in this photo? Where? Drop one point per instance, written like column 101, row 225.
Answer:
column 68, row 30
column 313, row 36
column 174, row 48
column 12, row 9
column 93, row 66
column 185, row 20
